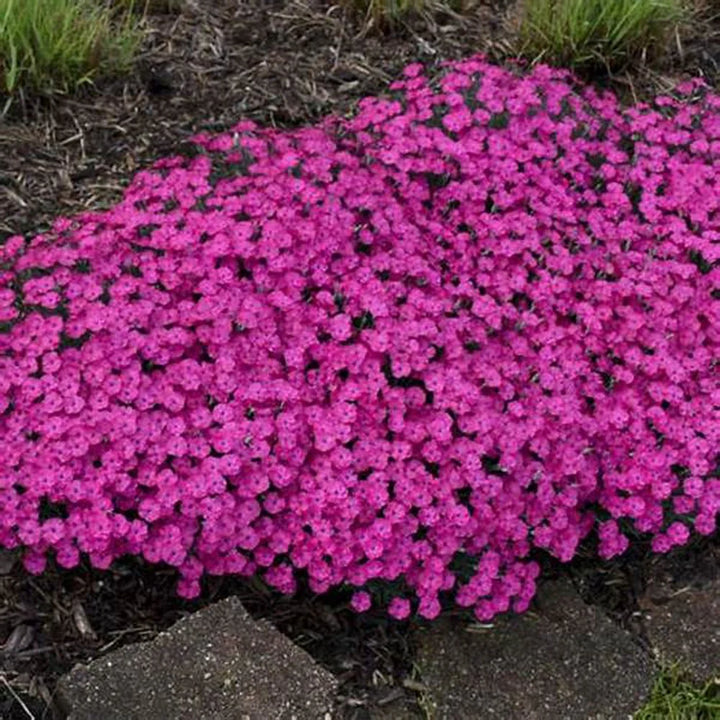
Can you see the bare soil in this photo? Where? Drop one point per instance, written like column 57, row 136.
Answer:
column 282, row 63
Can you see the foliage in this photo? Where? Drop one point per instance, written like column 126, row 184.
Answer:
column 674, row 697
column 57, row 45
column 383, row 12
column 597, row 34
column 480, row 318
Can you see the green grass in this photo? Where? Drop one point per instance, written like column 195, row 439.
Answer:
column 53, row 46
column 598, row 34
column 389, row 12
column 674, row 697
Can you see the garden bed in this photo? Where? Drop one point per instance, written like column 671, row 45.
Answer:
column 284, row 64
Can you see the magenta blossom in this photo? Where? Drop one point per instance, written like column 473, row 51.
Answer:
column 480, row 318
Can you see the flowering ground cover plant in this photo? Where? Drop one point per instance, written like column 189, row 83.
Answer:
column 478, row 319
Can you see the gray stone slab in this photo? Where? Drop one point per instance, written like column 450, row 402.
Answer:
column 567, row 661
column 217, row 664
column 682, row 622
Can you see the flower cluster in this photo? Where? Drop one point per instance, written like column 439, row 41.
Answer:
column 478, row 318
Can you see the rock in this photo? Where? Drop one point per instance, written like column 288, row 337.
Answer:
column 682, row 623
column 217, row 664
column 567, row 661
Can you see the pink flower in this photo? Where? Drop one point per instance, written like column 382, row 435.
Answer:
column 445, row 327
column 361, row 601
column 399, row 608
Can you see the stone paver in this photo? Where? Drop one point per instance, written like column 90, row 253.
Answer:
column 683, row 625
column 568, row 661
column 217, row 664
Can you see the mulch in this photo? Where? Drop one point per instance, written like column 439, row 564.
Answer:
column 282, row 63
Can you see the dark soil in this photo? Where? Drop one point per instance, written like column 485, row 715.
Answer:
column 283, row 63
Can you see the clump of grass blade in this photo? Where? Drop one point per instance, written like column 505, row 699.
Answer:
column 674, row 697
column 384, row 13
column 588, row 35
column 53, row 46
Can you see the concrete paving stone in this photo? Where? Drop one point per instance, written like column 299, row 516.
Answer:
column 216, row 664
column 567, row 661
